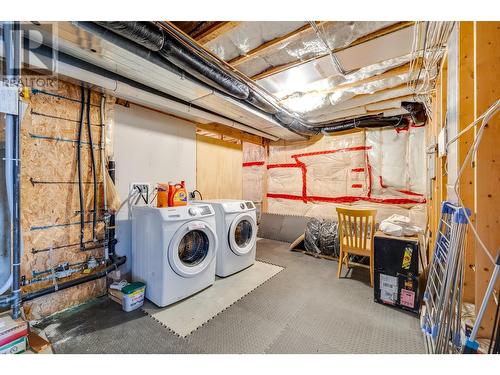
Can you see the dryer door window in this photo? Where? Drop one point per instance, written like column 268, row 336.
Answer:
column 193, row 248
column 242, row 234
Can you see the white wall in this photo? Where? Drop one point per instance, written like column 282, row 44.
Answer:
column 149, row 147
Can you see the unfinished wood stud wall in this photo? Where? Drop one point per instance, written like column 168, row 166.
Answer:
column 479, row 76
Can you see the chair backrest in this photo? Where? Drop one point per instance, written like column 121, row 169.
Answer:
column 357, row 227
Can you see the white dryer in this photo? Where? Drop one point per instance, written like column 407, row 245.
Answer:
column 173, row 250
column 237, row 232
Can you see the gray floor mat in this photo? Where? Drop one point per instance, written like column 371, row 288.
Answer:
column 303, row 309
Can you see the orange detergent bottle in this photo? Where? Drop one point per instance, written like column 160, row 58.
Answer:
column 177, row 195
column 162, row 195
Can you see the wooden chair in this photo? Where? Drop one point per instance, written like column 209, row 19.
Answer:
column 356, row 233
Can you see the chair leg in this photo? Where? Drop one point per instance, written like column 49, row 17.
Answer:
column 371, row 272
column 341, row 260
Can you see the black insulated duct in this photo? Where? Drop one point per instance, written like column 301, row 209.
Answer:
column 153, row 38
column 207, row 72
column 203, row 70
column 417, row 112
column 368, row 122
column 173, row 48
column 144, row 33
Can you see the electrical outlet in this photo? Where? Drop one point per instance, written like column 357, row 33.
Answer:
column 143, row 188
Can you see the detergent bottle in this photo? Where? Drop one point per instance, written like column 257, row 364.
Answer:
column 162, row 195
column 177, row 195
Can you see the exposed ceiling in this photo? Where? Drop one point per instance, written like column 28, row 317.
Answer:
column 319, row 71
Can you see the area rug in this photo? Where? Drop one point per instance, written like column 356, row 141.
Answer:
column 187, row 315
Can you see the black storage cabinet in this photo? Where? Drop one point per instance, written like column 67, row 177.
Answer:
column 396, row 266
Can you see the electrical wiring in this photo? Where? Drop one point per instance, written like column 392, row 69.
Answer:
column 336, row 62
column 433, row 37
column 197, row 191
column 132, row 194
column 484, row 118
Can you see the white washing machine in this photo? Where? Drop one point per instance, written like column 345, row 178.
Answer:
column 237, row 232
column 173, row 250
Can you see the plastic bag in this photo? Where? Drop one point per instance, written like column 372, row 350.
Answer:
column 311, row 237
column 329, row 238
column 399, row 226
column 321, row 237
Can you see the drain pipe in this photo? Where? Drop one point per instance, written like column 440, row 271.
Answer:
column 12, row 43
column 16, row 174
column 6, row 193
column 117, row 261
column 112, row 217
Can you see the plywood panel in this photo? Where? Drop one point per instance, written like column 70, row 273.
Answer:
column 218, row 168
column 49, row 194
column 487, row 36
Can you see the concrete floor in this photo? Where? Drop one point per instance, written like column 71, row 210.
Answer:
column 303, row 309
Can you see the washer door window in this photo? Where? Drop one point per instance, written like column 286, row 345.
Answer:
column 192, row 248
column 242, row 234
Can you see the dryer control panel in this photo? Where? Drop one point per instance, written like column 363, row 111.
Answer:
column 238, row 206
column 199, row 211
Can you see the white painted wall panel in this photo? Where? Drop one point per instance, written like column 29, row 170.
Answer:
column 149, row 147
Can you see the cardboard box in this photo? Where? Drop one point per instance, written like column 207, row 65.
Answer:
column 10, row 329
column 14, row 347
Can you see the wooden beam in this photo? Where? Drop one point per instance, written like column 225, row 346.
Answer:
column 368, row 109
column 216, row 31
column 366, row 99
column 366, row 38
column 271, row 43
column 465, row 117
column 487, row 73
column 230, row 132
column 389, row 73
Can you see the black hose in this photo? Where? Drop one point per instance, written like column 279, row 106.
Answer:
column 197, row 191
column 79, row 166
column 112, row 217
column 117, row 261
column 94, row 174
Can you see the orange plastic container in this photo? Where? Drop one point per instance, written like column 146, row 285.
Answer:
column 162, row 195
column 177, row 195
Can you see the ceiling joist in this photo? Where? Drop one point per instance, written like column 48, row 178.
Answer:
column 366, row 38
column 270, row 44
column 373, row 108
column 216, row 31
